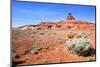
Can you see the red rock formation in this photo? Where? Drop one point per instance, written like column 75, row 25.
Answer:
column 70, row 17
column 69, row 23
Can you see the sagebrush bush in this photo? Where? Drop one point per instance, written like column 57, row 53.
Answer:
column 34, row 49
column 82, row 44
column 77, row 45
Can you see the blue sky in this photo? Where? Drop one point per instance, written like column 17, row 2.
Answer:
column 25, row 13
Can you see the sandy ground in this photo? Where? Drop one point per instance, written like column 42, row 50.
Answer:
column 46, row 46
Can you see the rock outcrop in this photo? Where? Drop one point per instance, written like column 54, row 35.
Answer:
column 70, row 17
column 69, row 23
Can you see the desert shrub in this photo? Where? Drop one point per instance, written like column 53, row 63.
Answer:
column 89, row 52
column 78, row 45
column 35, row 48
column 60, row 41
column 41, row 33
column 82, row 35
column 15, row 56
column 70, row 35
column 82, row 44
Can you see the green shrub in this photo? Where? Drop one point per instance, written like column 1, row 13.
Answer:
column 77, row 45
column 34, row 49
column 82, row 44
